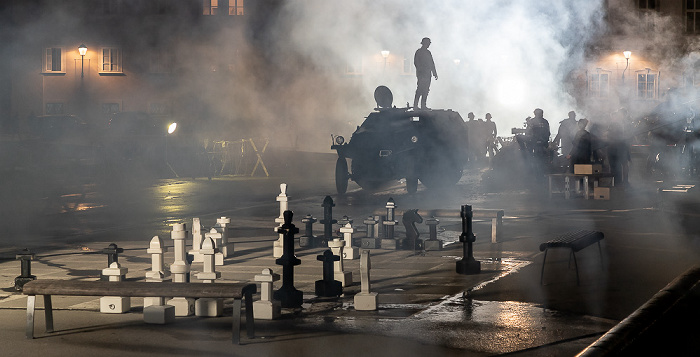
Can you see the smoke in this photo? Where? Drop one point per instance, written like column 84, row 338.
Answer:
column 502, row 57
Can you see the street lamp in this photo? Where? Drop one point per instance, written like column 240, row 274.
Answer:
column 83, row 50
column 171, row 129
column 385, row 54
column 627, row 55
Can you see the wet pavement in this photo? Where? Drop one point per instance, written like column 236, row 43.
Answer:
column 424, row 306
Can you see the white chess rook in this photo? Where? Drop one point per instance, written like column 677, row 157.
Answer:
column 223, row 225
column 344, row 277
column 349, row 252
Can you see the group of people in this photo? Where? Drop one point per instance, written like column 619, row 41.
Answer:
column 579, row 146
column 481, row 136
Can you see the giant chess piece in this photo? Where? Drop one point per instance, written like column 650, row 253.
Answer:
column 409, row 219
column 467, row 265
column 25, row 257
column 432, row 243
column 365, row 300
column 371, row 240
column 328, row 220
column 155, row 311
column 288, row 295
column 283, row 199
column 389, row 242
column 115, row 304
column 180, row 270
column 328, row 286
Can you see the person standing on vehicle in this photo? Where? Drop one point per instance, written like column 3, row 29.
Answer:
column 425, row 68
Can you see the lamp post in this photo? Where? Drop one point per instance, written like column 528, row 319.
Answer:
column 385, row 54
column 627, row 55
column 171, row 129
column 83, row 50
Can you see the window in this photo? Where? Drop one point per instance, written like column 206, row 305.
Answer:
column 407, row 66
column 54, row 60
column 210, row 7
column 599, row 84
column 235, row 7
column 648, row 5
column 647, row 81
column 111, row 60
column 110, row 108
column 692, row 16
column 54, row 108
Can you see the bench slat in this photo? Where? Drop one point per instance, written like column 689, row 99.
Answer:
column 138, row 289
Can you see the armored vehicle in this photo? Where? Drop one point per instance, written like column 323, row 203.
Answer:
column 394, row 143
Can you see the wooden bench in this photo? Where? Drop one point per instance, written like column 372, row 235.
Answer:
column 574, row 241
column 495, row 215
column 237, row 291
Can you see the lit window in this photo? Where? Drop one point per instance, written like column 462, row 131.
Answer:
column 54, row 60
column 235, row 7
column 111, row 60
column 599, row 84
column 210, row 7
column 647, row 81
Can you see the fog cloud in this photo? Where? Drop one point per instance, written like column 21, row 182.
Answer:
column 502, row 57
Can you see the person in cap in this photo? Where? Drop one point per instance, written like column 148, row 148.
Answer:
column 425, row 68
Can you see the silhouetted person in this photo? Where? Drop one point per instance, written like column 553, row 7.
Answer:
column 472, row 138
column 425, row 68
column 492, row 133
column 538, row 133
column 582, row 149
column 618, row 154
column 565, row 134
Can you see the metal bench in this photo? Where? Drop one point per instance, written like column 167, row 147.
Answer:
column 237, row 291
column 574, row 241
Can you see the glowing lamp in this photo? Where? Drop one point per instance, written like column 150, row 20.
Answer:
column 627, row 54
column 171, row 128
column 82, row 49
column 385, row 53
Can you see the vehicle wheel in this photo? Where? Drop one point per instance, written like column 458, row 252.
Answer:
column 341, row 175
